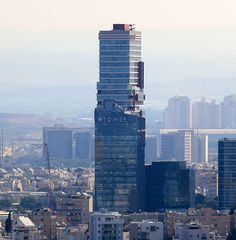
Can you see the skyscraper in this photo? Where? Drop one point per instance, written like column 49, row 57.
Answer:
column 228, row 112
column 227, row 173
column 205, row 114
column 59, row 141
column 177, row 146
column 119, row 121
column 178, row 113
column 169, row 184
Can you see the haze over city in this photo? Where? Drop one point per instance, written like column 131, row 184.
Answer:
column 49, row 51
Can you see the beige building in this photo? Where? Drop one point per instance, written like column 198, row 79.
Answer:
column 76, row 208
column 218, row 222
column 192, row 231
column 79, row 232
column 46, row 221
column 24, row 228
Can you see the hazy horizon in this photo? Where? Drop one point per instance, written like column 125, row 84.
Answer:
column 49, row 51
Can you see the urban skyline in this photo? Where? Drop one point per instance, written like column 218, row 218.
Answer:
column 95, row 148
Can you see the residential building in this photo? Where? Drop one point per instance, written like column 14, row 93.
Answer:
column 205, row 114
column 105, row 225
column 146, row 230
column 228, row 112
column 192, row 231
column 80, row 232
column 178, row 113
column 219, row 222
column 24, row 228
column 76, row 208
column 119, row 121
column 46, row 221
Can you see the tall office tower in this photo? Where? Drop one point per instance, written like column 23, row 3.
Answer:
column 199, row 148
column 228, row 112
column 213, row 114
column 119, row 121
column 59, row 141
column 83, row 145
column 205, row 114
column 106, row 225
column 178, row 113
column 151, row 148
column 169, row 184
column 227, row 173
column 177, row 146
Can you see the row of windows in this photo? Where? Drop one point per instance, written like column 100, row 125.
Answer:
column 114, row 53
column 114, row 75
column 112, row 97
column 118, row 75
column 120, row 53
column 119, row 59
column 120, row 41
column 103, row 42
column 120, row 47
column 119, row 64
column 120, row 81
column 118, row 70
column 123, row 91
column 112, row 86
column 109, row 70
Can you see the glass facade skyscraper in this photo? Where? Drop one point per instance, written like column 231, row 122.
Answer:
column 119, row 121
column 169, row 184
column 227, row 173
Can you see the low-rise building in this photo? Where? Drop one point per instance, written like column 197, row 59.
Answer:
column 24, row 228
column 105, row 225
column 192, row 231
column 146, row 230
column 76, row 208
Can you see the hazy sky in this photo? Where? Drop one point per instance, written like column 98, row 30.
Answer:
column 188, row 49
column 96, row 14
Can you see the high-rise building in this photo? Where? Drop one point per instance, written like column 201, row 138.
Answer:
column 213, row 114
column 205, row 114
column 59, row 140
column 199, row 148
column 119, row 121
column 106, row 225
column 178, row 113
column 83, row 145
column 177, row 146
column 151, row 148
column 169, row 184
column 227, row 173
column 228, row 112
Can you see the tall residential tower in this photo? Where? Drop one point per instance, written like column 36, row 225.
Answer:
column 119, row 121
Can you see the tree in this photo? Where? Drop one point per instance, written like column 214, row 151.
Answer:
column 28, row 203
column 8, row 223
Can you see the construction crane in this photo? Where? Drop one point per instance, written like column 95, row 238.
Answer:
column 50, row 193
